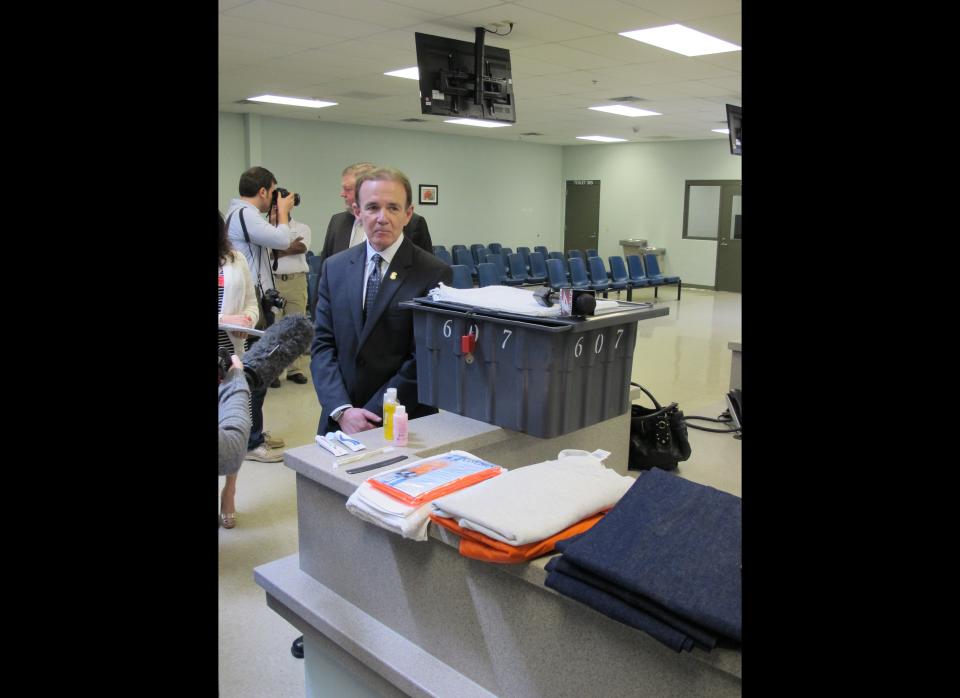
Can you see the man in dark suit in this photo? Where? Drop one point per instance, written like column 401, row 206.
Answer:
column 363, row 342
column 344, row 229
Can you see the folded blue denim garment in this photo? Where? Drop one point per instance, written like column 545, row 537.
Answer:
column 674, row 541
column 701, row 637
column 615, row 608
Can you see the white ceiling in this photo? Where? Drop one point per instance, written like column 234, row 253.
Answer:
column 566, row 56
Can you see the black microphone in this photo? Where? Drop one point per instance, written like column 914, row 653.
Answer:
column 282, row 342
column 584, row 302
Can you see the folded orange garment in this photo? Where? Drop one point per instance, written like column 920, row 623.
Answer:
column 437, row 492
column 477, row 546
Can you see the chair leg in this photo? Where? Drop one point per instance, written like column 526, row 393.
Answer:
column 655, row 289
column 678, row 289
column 629, row 293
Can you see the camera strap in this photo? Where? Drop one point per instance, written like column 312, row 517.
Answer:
column 246, row 237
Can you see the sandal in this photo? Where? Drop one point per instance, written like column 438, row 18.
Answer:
column 228, row 520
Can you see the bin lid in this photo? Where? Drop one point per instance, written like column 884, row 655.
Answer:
column 628, row 312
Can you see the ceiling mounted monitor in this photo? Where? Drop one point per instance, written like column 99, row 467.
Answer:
column 734, row 117
column 449, row 84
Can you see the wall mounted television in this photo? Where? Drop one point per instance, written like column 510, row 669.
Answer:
column 734, row 117
column 448, row 78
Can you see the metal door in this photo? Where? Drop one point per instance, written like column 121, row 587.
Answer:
column 581, row 222
column 729, row 239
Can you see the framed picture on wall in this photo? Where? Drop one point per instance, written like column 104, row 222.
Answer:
column 428, row 194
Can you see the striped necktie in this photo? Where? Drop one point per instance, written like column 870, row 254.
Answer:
column 373, row 284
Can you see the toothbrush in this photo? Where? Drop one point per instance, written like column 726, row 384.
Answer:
column 361, row 456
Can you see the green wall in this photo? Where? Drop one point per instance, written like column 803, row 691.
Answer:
column 489, row 190
column 641, row 196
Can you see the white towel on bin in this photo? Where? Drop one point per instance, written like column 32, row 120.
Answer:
column 506, row 299
column 382, row 510
column 529, row 504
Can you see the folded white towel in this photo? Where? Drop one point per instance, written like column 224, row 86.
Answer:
column 384, row 511
column 511, row 300
column 529, row 504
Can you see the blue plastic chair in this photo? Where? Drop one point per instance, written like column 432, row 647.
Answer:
column 542, row 250
column 505, row 251
column 443, row 255
column 563, row 263
column 438, row 247
column 578, row 274
column 487, row 272
column 538, row 268
column 314, row 262
column 556, row 274
column 479, row 252
column 518, row 270
column 591, row 253
column 497, row 261
column 313, row 281
column 599, row 281
column 454, row 248
column 494, row 247
column 656, row 277
column 463, row 256
column 525, row 253
column 618, row 275
column 461, row 276
column 574, row 253
column 637, row 276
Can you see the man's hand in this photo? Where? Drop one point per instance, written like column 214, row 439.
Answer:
column 284, row 206
column 235, row 361
column 296, row 247
column 355, row 419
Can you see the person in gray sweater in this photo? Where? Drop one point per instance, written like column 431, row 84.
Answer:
column 234, row 412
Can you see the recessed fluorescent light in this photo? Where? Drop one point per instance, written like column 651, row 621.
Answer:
column 725, row 131
column 602, row 139
column 409, row 73
column 293, row 101
column 626, row 111
column 477, row 122
column 681, row 39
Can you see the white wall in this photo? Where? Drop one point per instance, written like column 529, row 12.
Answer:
column 489, row 191
column 641, row 196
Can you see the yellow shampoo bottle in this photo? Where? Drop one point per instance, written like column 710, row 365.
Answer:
column 389, row 409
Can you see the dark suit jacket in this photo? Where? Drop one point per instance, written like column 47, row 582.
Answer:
column 341, row 225
column 353, row 363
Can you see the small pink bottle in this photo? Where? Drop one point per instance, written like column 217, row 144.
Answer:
column 400, row 426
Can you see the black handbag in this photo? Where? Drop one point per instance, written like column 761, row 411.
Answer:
column 658, row 437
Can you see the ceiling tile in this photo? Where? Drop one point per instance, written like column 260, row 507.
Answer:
column 683, row 10
column 277, row 14
column 608, row 15
column 562, row 55
column 390, row 14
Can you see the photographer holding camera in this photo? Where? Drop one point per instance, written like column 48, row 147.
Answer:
column 249, row 233
column 290, row 277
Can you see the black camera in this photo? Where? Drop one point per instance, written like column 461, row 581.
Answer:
column 273, row 299
column 283, row 192
column 224, row 362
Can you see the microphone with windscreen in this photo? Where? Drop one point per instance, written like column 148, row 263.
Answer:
column 584, row 302
column 280, row 344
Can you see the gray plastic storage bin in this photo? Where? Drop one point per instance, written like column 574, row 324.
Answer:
column 541, row 376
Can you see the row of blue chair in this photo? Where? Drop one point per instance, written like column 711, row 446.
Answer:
column 593, row 277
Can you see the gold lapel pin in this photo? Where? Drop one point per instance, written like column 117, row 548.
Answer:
column 393, row 276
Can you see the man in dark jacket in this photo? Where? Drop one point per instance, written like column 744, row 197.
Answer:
column 363, row 341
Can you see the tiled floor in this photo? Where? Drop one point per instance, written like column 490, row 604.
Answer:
column 681, row 358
